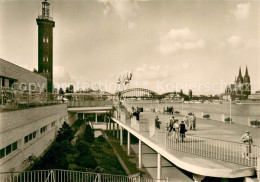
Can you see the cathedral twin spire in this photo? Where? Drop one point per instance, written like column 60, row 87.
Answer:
column 240, row 78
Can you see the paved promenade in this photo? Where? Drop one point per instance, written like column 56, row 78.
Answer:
column 208, row 128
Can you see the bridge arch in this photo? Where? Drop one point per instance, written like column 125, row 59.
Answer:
column 138, row 93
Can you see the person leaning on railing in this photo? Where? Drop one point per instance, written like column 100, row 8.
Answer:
column 247, row 140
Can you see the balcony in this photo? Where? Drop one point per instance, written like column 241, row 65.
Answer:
column 13, row 99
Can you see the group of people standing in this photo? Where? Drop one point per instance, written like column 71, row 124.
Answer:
column 190, row 121
column 178, row 128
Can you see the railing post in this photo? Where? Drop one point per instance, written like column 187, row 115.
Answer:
column 140, row 154
column 165, row 139
column 117, row 131
column 99, row 178
column 258, row 167
column 159, row 166
column 128, row 142
column 121, row 135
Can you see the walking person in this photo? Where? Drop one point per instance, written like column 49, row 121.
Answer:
column 172, row 121
column 186, row 121
column 157, row 122
column 247, row 140
column 176, row 135
column 183, row 130
column 193, row 122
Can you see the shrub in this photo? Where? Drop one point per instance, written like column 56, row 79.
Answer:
column 177, row 112
column 86, row 161
column 99, row 170
column 101, row 138
column 228, row 119
column 190, row 113
column 53, row 159
column 97, row 148
column 255, row 122
column 83, row 147
column 207, row 116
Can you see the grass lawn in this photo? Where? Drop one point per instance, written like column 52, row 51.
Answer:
column 115, row 142
column 106, row 158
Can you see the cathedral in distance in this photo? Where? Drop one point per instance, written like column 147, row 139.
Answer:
column 241, row 87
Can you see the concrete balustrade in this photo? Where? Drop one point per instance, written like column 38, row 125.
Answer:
column 123, row 117
column 138, row 125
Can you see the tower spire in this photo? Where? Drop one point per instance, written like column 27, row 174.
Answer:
column 240, row 77
column 246, row 74
column 240, row 73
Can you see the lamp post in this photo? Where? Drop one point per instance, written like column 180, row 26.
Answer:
column 182, row 105
column 230, row 110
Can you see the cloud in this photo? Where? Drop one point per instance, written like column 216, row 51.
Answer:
column 125, row 10
column 179, row 39
column 61, row 76
column 158, row 72
column 235, row 42
column 241, row 11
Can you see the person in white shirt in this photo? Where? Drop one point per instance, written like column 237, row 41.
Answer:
column 247, row 140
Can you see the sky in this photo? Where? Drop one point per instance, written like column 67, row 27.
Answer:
column 168, row 45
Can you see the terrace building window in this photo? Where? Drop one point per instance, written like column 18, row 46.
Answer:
column 43, row 129
column 8, row 149
column 53, row 123
column 29, row 137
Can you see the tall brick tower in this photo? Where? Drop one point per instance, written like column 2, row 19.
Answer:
column 45, row 44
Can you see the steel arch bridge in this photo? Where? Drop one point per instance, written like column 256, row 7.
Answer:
column 169, row 94
column 138, row 93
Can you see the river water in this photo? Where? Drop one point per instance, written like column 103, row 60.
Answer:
column 241, row 113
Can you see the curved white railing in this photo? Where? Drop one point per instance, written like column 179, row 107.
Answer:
column 58, row 175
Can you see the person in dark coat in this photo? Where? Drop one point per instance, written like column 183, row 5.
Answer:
column 157, row 122
column 183, row 130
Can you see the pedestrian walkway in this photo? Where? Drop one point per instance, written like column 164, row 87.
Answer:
column 208, row 128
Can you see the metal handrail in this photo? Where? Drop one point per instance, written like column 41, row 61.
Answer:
column 14, row 99
column 59, row 175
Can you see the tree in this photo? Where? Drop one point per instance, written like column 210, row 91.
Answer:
column 71, row 88
column 89, row 134
column 181, row 93
column 83, row 147
column 190, row 94
column 65, row 133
